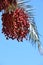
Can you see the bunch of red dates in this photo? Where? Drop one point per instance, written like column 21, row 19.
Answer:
column 15, row 23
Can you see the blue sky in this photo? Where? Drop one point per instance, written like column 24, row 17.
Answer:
column 13, row 52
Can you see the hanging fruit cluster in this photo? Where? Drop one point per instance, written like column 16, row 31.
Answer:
column 15, row 25
column 14, row 20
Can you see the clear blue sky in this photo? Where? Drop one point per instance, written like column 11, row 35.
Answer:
column 13, row 52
